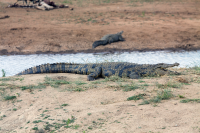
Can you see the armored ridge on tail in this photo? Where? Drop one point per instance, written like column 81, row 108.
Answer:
column 95, row 70
column 108, row 39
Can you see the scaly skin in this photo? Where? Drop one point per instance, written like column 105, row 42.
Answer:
column 107, row 69
column 108, row 39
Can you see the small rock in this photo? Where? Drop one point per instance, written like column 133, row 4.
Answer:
column 176, row 125
column 182, row 80
column 29, row 90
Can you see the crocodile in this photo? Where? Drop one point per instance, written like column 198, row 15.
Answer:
column 107, row 69
column 109, row 38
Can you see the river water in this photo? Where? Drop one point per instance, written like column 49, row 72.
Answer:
column 14, row 64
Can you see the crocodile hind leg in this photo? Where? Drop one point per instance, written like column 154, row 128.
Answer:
column 134, row 75
column 97, row 72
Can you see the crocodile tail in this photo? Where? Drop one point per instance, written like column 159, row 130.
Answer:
column 51, row 68
column 98, row 43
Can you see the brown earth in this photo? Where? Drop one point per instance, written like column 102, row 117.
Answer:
column 153, row 25
column 99, row 106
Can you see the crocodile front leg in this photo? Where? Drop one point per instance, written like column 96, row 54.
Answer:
column 97, row 72
column 110, row 40
column 121, row 38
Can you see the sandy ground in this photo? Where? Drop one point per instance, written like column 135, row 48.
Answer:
column 147, row 26
column 99, row 106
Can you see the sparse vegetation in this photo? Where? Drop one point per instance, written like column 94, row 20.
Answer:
column 56, row 126
column 96, row 82
column 54, row 83
column 40, row 86
column 180, row 96
column 190, row 100
column 89, row 114
column 11, row 79
column 68, row 2
column 127, row 85
column 145, row 102
column 5, row 79
column 169, row 84
column 131, row 87
column 35, row 128
column 1, row 118
column 3, row 73
column 141, row 81
column 115, row 79
column 9, row 97
column 196, row 69
column 161, row 95
column 79, row 89
column 65, row 104
column 136, row 97
column 103, row 104
column 86, row 3
column 69, row 121
column 79, row 83
column 37, row 121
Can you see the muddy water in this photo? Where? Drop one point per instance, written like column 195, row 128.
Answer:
column 15, row 63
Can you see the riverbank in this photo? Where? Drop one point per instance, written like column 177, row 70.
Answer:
column 64, row 102
column 147, row 26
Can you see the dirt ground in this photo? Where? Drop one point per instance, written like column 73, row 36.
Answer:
column 147, row 25
column 68, row 103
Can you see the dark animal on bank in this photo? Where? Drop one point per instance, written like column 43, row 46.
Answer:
column 26, row 1
column 108, row 39
column 95, row 70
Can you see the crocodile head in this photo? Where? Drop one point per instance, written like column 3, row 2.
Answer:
column 160, row 70
column 163, row 71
